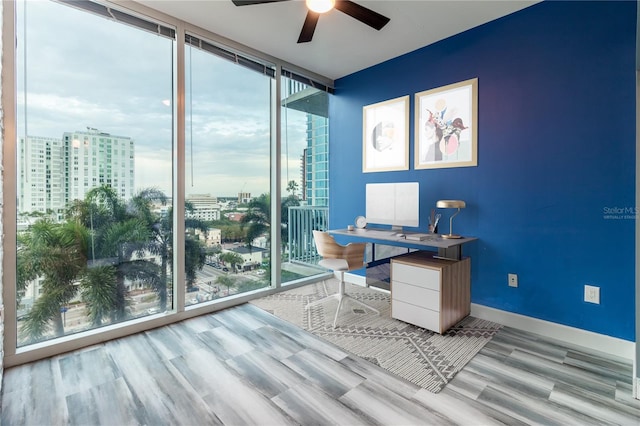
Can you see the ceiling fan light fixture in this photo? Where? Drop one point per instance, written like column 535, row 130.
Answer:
column 320, row 6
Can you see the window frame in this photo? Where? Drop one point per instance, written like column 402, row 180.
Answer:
column 14, row 355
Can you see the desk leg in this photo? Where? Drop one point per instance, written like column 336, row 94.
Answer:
column 454, row 252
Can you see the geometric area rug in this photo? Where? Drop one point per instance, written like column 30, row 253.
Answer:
column 423, row 357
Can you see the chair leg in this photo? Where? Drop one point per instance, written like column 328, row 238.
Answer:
column 340, row 295
column 335, row 319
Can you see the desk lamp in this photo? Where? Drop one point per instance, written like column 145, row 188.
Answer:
column 451, row 204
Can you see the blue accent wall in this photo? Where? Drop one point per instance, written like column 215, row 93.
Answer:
column 552, row 198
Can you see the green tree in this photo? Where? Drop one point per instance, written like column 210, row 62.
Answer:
column 258, row 218
column 293, row 187
column 56, row 253
column 120, row 235
column 226, row 281
column 231, row 258
column 195, row 257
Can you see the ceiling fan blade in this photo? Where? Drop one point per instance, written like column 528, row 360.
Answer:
column 362, row 14
column 308, row 27
column 250, row 2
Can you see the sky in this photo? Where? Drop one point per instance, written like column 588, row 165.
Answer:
column 85, row 71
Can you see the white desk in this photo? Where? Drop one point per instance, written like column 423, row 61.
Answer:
column 427, row 290
column 450, row 248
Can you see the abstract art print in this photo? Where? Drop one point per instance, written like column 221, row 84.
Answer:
column 385, row 140
column 446, row 120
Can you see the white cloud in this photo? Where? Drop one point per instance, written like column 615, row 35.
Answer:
column 83, row 70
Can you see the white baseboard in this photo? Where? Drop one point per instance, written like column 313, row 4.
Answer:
column 599, row 342
column 576, row 336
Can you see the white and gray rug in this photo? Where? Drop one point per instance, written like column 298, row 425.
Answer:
column 428, row 359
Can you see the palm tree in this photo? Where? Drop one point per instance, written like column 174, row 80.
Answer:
column 195, row 257
column 120, row 235
column 161, row 241
column 99, row 289
column 258, row 218
column 292, row 187
column 57, row 253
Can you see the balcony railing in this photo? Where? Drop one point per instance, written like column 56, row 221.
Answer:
column 302, row 221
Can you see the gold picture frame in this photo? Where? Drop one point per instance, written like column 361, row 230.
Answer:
column 385, row 136
column 446, row 126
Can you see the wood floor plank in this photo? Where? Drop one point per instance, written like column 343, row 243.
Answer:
column 86, row 369
column 308, row 405
column 32, row 395
column 234, row 399
column 265, row 373
column 333, row 378
column 89, row 407
column 385, row 407
column 161, row 393
column 243, row 366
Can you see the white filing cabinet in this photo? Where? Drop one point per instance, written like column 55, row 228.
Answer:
column 428, row 292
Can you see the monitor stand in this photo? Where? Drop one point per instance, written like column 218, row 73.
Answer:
column 395, row 229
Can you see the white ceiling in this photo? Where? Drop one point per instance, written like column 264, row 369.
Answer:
column 341, row 45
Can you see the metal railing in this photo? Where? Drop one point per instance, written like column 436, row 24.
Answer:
column 302, row 221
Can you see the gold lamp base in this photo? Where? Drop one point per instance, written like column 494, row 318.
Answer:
column 448, row 204
column 452, row 236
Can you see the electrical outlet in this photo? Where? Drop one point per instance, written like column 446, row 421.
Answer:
column 513, row 280
column 592, row 294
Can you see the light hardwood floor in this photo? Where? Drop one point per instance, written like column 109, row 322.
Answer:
column 243, row 366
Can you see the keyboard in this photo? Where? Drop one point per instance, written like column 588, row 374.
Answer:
column 378, row 233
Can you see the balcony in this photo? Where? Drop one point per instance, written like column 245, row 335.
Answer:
column 302, row 221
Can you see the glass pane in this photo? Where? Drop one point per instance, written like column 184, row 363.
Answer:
column 227, row 182
column 94, row 177
column 305, row 176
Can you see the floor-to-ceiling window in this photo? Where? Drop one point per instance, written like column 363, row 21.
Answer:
column 228, row 172
column 94, row 166
column 304, row 175
column 101, row 150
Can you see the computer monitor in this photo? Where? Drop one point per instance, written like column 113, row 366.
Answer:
column 396, row 204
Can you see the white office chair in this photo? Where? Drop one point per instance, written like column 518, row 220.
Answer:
column 339, row 259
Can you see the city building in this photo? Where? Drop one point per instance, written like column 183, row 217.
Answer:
column 314, row 161
column 53, row 172
column 41, row 174
column 94, row 158
column 205, row 207
column 244, row 197
column 252, row 256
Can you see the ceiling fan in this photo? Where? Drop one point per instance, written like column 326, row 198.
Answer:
column 318, row 7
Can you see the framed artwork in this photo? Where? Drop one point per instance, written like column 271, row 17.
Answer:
column 385, row 136
column 446, row 120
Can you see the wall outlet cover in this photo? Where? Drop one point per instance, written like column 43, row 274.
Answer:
column 513, row 280
column 592, row 294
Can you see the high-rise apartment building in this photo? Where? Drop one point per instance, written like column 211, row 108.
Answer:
column 53, row 172
column 40, row 174
column 94, row 159
column 315, row 161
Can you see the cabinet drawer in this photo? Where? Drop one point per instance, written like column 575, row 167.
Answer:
column 419, row 296
column 415, row 315
column 419, row 276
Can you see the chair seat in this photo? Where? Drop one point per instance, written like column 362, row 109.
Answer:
column 334, row 264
